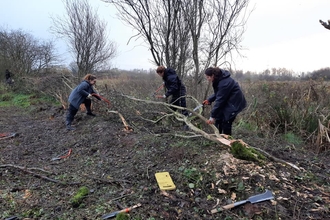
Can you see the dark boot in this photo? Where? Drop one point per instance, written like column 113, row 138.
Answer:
column 72, row 111
column 69, row 127
column 88, row 103
column 90, row 114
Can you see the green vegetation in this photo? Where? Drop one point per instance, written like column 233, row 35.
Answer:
column 80, row 195
column 247, row 125
column 23, row 100
column 33, row 213
column 292, row 138
column 122, row 216
column 242, row 152
column 193, row 176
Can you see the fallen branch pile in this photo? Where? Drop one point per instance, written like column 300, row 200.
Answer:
column 222, row 139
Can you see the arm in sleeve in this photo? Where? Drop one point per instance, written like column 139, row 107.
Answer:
column 211, row 98
column 83, row 89
column 173, row 86
column 221, row 98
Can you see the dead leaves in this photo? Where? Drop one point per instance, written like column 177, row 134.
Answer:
column 252, row 210
column 277, row 177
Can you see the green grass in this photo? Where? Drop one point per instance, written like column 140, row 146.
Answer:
column 250, row 126
column 11, row 99
column 292, row 138
column 21, row 101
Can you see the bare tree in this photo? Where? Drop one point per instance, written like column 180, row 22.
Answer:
column 85, row 34
column 188, row 35
column 161, row 24
column 24, row 54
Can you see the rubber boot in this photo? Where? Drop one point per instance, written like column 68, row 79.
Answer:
column 90, row 114
column 69, row 127
column 88, row 103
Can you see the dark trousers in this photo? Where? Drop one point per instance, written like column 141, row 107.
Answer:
column 9, row 81
column 176, row 100
column 224, row 127
column 72, row 111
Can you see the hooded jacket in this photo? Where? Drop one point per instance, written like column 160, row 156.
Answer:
column 8, row 74
column 228, row 97
column 172, row 83
column 79, row 94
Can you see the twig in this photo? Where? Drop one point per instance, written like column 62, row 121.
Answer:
column 127, row 127
column 159, row 119
column 120, row 197
column 108, row 181
column 216, row 137
column 27, row 170
column 275, row 158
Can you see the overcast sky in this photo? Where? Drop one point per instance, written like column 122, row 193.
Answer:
column 280, row 33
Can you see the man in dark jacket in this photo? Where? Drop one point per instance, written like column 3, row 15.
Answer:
column 81, row 94
column 8, row 77
column 228, row 97
column 174, row 86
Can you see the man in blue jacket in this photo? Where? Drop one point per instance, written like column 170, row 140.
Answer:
column 81, row 94
column 174, row 86
column 228, row 97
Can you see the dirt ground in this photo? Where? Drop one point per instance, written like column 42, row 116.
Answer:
column 118, row 167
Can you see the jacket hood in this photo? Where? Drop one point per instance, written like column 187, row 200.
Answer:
column 225, row 74
column 169, row 72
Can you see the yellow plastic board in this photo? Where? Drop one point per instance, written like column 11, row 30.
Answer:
column 165, row 181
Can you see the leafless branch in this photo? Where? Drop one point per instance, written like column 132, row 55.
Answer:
column 325, row 24
column 85, row 34
column 28, row 170
column 216, row 137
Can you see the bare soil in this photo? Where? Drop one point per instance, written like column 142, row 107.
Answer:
column 118, row 167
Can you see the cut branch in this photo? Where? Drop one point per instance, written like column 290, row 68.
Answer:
column 222, row 139
column 28, row 170
column 127, row 127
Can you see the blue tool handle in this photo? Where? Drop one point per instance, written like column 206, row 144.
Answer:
column 110, row 215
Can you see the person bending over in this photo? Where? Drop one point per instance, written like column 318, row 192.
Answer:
column 228, row 99
column 81, row 94
column 174, row 87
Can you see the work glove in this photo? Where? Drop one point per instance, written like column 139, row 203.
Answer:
column 161, row 96
column 210, row 121
column 96, row 96
column 89, row 96
column 206, row 102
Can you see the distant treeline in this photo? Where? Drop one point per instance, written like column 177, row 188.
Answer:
column 282, row 74
column 274, row 74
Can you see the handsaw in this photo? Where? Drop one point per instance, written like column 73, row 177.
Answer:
column 101, row 97
column 253, row 199
column 113, row 214
column 7, row 135
column 63, row 156
column 195, row 109
column 159, row 88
